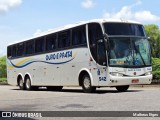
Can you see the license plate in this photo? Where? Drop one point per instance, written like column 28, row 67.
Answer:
column 135, row 81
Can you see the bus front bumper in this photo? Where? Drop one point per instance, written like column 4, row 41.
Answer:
column 139, row 80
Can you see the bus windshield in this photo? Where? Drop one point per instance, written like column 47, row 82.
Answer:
column 129, row 51
column 124, row 29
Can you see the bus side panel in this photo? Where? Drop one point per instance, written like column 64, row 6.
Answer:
column 51, row 75
column 11, row 77
column 13, row 72
column 44, row 73
column 70, row 71
column 47, row 73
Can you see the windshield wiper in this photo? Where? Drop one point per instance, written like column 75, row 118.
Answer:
column 139, row 53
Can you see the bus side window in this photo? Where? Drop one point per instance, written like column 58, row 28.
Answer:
column 94, row 34
column 29, row 47
column 79, row 35
column 64, row 39
column 9, row 52
column 51, row 42
column 14, row 49
column 39, row 45
column 20, row 49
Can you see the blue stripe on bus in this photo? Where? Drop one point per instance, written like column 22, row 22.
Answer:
column 41, row 62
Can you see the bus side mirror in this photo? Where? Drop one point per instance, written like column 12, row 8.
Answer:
column 105, row 36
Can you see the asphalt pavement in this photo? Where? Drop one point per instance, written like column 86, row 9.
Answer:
column 137, row 98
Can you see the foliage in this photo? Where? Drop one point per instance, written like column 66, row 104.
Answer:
column 156, row 68
column 3, row 80
column 3, row 69
column 153, row 32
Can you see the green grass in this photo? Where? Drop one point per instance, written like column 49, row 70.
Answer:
column 3, row 80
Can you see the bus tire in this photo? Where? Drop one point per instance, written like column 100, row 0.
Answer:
column 122, row 88
column 21, row 84
column 86, row 85
column 28, row 84
column 54, row 88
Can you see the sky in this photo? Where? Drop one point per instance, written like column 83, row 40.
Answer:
column 22, row 19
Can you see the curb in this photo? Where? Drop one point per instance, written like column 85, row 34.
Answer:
column 3, row 83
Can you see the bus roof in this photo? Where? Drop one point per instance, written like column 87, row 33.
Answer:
column 75, row 25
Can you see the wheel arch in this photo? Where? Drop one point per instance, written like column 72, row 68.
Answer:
column 19, row 77
column 82, row 72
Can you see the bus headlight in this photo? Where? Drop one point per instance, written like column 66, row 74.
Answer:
column 116, row 74
column 148, row 73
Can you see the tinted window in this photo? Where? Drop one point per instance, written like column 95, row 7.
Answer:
column 64, row 39
column 51, row 42
column 39, row 45
column 79, row 35
column 14, row 51
column 94, row 33
column 124, row 29
column 20, row 49
column 9, row 50
column 101, row 53
column 29, row 47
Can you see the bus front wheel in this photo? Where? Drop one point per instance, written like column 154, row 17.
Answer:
column 122, row 88
column 86, row 85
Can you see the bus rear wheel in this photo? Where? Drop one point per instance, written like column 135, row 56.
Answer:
column 122, row 88
column 28, row 84
column 21, row 84
column 86, row 85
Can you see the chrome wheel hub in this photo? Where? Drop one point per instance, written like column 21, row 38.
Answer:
column 28, row 83
column 87, row 83
column 21, row 83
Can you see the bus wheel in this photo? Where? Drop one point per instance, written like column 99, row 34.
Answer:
column 86, row 85
column 122, row 88
column 55, row 88
column 21, row 84
column 28, row 84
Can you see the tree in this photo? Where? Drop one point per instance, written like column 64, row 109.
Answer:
column 3, row 70
column 153, row 32
column 156, row 68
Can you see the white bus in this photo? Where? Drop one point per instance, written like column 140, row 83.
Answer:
column 91, row 54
